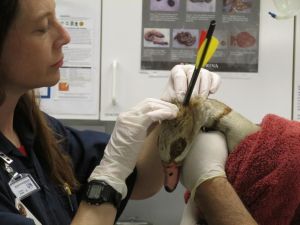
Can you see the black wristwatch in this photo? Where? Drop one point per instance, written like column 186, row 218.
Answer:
column 97, row 192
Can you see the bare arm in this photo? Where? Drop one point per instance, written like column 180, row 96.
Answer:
column 203, row 173
column 150, row 172
column 103, row 214
column 222, row 206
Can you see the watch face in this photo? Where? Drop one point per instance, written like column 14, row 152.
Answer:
column 95, row 191
column 98, row 192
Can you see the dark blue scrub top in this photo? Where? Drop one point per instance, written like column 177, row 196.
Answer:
column 50, row 205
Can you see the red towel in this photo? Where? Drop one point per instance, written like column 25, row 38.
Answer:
column 264, row 169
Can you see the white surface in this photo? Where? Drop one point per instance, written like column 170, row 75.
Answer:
column 296, row 115
column 269, row 91
column 162, row 209
column 82, row 63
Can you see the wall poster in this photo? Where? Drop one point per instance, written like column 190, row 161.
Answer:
column 171, row 31
column 76, row 96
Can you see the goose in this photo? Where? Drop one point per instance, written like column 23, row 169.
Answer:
column 176, row 136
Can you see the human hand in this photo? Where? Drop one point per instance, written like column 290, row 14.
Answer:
column 207, row 83
column 127, row 139
column 205, row 160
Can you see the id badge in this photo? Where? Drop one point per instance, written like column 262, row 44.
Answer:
column 23, row 185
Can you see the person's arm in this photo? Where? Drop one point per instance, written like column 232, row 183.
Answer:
column 222, row 206
column 204, row 175
column 149, row 169
column 107, row 182
column 103, row 214
column 149, row 181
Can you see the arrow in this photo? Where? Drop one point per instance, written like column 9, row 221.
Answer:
column 205, row 52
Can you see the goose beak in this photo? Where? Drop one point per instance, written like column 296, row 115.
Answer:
column 172, row 174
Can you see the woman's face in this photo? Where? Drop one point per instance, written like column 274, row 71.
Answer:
column 32, row 51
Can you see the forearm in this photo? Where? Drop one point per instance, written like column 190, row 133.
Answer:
column 221, row 204
column 150, row 173
column 103, row 214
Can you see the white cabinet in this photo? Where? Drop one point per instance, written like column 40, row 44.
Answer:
column 124, row 85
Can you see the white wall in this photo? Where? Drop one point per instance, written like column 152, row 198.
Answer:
column 296, row 112
column 253, row 95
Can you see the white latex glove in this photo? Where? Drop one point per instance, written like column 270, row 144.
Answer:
column 189, row 214
column 207, row 83
column 205, row 160
column 127, row 139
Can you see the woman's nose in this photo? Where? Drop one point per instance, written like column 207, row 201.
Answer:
column 63, row 36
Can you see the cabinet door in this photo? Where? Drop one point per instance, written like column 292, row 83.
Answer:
column 123, row 83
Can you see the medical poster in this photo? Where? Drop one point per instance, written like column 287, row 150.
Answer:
column 171, row 30
column 76, row 96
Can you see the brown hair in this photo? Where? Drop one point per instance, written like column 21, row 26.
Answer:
column 47, row 145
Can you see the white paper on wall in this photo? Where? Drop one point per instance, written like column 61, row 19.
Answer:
column 76, row 96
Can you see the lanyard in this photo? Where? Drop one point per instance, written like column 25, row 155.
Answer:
column 5, row 164
column 21, row 184
column 21, row 192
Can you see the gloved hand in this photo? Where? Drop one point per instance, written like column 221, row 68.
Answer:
column 207, row 83
column 127, row 139
column 205, row 160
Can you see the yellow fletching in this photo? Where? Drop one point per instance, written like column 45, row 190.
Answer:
column 214, row 42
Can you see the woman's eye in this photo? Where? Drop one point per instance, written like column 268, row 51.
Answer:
column 43, row 27
column 42, row 30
